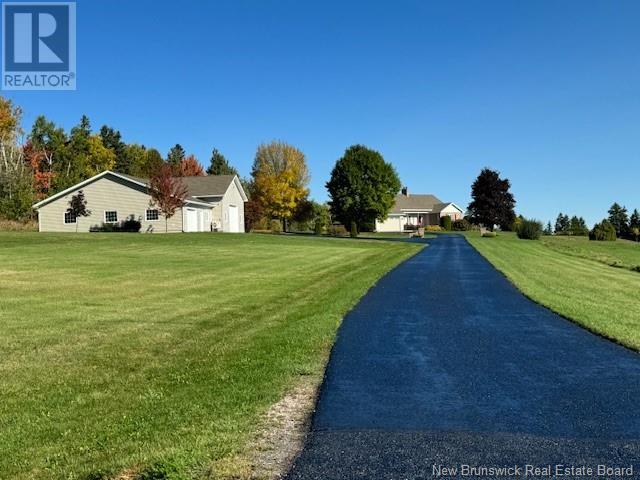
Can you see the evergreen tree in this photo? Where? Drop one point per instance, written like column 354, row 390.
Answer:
column 563, row 224
column 112, row 140
column 548, row 230
column 619, row 219
column 175, row 156
column 219, row 165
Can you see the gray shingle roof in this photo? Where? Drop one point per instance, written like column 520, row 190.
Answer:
column 209, row 185
column 416, row 202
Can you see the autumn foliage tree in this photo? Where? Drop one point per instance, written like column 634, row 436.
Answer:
column 280, row 178
column 167, row 192
column 78, row 207
column 190, row 167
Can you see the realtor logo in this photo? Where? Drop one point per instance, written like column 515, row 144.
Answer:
column 38, row 46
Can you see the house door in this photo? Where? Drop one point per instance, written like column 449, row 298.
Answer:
column 234, row 221
column 191, row 220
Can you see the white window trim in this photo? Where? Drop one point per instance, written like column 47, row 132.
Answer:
column 146, row 218
column 64, row 218
column 105, row 216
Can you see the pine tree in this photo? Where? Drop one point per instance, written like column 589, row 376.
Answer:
column 562, row 224
column 619, row 219
column 548, row 230
column 219, row 165
column 175, row 156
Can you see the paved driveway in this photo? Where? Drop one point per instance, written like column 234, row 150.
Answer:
column 445, row 363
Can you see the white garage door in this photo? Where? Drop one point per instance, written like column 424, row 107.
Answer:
column 234, row 219
column 191, row 220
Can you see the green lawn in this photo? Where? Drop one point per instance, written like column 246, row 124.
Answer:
column 568, row 276
column 119, row 351
column 621, row 253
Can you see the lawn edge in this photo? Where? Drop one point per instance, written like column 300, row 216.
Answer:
column 243, row 466
column 574, row 321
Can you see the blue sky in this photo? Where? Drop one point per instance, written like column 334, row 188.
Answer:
column 546, row 92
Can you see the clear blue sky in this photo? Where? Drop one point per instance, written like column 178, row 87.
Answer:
column 546, row 92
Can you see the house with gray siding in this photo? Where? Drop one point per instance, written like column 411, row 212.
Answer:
column 417, row 210
column 214, row 203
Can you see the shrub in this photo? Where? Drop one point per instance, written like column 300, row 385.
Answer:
column 275, row 226
column 337, row 230
column 603, row 232
column 433, row 228
column 410, row 228
column 16, row 226
column 529, row 229
column 461, row 225
column 318, row 227
column 445, row 222
column 131, row 225
column 489, row 234
column 354, row 230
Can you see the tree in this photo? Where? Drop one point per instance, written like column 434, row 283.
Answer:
column 112, row 140
column 153, row 163
column 492, row 202
column 619, row 219
column 362, row 187
column 280, row 177
column 78, row 207
column 253, row 213
column 190, row 167
column 603, row 231
column 175, row 156
column 167, row 192
column 563, row 224
column 219, row 165
column 135, row 158
column 578, row 227
column 16, row 181
column 48, row 156
column 634, row 225
column 548, row 230
column 98, row 158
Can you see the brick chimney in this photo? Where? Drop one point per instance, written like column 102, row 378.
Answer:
column 405, row 191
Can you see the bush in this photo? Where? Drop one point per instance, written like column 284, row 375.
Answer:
column 16, row 226
column 337, row 230
column 433, row 228
column 445, row 222
column 318, row 227
column 489, row 234
column 529, row 229
column 354, row 230
column 275, row 226
column 461, row 225
column 410, row 228
column 130, row 225
column 603, row 232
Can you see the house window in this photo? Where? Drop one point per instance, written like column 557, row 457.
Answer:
column 110, row 216
column 152, row 215
column 69, row 217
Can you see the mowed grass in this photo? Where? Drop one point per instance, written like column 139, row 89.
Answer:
column 568, row 276
column 621, row 253
column 119, row 351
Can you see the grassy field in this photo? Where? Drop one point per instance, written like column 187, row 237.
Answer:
column 573, row 277
column 122, row 352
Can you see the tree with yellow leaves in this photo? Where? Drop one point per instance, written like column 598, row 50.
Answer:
column 280, row 178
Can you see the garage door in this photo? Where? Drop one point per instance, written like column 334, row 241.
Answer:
column 234, row 219
column 191, row 220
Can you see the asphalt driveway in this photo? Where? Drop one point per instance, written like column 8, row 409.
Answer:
column 444, row 364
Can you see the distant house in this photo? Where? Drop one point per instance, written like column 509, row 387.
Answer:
column 417, row 210
column 214, row 203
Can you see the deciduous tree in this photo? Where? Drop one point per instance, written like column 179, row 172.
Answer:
column 492, row 202
column 190, row 167
column 167, row 192
column 78, row 207
column 362, row 187
column 280, row 178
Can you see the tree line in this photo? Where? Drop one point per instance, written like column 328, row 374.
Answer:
column 47, row 159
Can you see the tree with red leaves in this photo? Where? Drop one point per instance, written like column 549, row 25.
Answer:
column 190, row 167
column 167, row 192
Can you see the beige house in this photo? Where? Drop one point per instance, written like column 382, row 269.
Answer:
column 214, row 203
column 417, row 210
